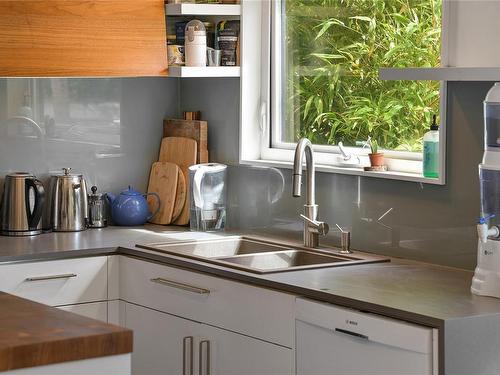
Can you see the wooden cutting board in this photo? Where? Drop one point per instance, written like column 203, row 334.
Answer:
column 181, row 151
column 166, row 180
column 194, row 129
column 180, row 196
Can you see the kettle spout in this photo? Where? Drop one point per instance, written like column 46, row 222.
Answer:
column 110, row 197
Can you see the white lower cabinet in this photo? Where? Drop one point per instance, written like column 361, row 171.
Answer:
column 167, row 344
column 94, row 310
column 188, row 323
column 246, row 309
column 158, row 340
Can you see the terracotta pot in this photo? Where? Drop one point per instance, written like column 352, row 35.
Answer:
column 376, row 160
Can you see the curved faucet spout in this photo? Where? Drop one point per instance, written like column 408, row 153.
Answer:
column 304, row 146
column 312, row 227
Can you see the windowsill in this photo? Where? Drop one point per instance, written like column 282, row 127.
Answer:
column 391, row 175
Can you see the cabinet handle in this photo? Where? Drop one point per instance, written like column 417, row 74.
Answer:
column 51, row 277
column 175, row 284
column 350, row 333
column 187, row 355
column 205, row 343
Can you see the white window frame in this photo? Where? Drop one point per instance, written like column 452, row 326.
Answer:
column 258, row 111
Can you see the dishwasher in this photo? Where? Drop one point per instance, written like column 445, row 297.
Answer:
column 331, row 340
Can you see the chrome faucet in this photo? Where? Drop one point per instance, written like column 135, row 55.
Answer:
column 312, row 227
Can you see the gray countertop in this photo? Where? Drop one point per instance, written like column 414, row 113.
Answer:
column 89, row 242
column 417, row 292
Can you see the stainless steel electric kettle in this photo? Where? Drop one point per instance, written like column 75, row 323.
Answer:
column 68, row 202
column 22, row 205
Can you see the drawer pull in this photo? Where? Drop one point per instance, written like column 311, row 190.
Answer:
column 51, row 277
column 187, row 355
column 204, row 343
column 175, row 284
column 350, row 333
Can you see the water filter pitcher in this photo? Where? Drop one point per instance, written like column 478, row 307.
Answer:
column 208, row 197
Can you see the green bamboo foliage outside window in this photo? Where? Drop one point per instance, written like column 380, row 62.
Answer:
column 333, row 50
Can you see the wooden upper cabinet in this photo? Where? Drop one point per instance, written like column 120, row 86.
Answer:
column 69, row 38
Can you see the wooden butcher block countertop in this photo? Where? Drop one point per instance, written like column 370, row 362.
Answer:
column 32, row 334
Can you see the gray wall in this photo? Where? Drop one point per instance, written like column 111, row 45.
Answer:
column 430, row 223
column 109, row 129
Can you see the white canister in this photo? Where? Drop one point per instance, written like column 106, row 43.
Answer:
column 195, row 44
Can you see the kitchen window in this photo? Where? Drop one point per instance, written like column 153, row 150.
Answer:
column 323, row 81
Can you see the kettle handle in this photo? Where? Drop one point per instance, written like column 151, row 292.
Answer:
column 159, row 204
column 35, row 216
column 85, row 202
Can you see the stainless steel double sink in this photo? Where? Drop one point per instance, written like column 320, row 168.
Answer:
column 261, row 256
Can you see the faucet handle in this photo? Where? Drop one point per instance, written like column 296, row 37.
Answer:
column 318, row 226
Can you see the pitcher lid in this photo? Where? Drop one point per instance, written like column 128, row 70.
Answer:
column 66, row 173
column 209, row 167
column 20, row 175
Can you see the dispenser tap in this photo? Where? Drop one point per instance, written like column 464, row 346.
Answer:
column 484, row 232
column 345, row 240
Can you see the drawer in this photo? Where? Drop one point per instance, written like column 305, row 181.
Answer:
column 57, row 282
column 253, row 311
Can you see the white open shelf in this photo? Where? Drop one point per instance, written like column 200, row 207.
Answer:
column 440, row 74
column 203, row 9
column 208, row 71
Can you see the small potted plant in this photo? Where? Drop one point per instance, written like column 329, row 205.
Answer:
column 376, row 158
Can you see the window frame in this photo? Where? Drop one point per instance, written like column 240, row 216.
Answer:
column 402, row 165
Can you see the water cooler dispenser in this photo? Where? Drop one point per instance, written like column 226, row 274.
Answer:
column 486, row 280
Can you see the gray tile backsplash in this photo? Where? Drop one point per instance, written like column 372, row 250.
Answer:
column 430, row 223
column 108, row 129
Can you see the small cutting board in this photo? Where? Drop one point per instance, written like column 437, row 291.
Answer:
column 194, row 129
column 164, row 181
column 180, row 151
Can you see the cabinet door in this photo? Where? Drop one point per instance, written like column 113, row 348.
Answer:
column 64, row 38
column 221, row 352
column 159, row 340
column 96, row 310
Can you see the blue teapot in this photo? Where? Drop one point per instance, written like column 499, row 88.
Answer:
column 130, row 208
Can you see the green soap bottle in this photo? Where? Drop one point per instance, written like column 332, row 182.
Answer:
column 431, row 151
